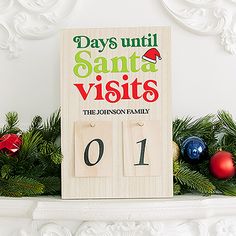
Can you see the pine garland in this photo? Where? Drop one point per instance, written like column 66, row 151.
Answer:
column 35, row 169
column 219, row 132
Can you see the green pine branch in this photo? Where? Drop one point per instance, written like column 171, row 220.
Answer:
column 177, row 189
column 227, row 140
column 181, row 128
column 225, row 187
column 192, row 179
column 18, row 186
column 5, row 171
column 52, row 185
column 51, row 129
column 36, row 124
column 51, row 150
column 30, row 143
column 6, row 159
column 11, row 124
column 228, row 125
column 206, row 128
column 202, row 127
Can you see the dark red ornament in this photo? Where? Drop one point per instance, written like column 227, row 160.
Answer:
column 222, row 165
column 10, row 143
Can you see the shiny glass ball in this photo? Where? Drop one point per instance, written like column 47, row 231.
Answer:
column 194, row 150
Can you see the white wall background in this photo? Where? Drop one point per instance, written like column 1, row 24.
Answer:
column 203, row 74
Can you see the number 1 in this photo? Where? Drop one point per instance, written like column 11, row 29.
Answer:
column 141, row 159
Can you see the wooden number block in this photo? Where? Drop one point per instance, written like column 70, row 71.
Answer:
column 142, row 148
column 93, row 148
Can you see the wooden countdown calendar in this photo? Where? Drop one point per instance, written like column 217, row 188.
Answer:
column 116, row 114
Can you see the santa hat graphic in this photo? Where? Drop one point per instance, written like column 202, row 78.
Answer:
column 151, row 55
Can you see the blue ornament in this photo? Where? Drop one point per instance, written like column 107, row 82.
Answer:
column 194, row 150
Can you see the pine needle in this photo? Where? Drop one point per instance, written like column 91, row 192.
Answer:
column 18, row 186
column 51, row 150
column 5, row 171
column 226, row 187
column 203, row 127
column 52, row 128
column 177, row 189
column 52, row 185
column 227, row 122
column 11, row 124
column 30, row 143
column 36, row 124
column 227, row 140
column 194, row 180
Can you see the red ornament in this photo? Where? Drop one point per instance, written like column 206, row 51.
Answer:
column 222, row 165
column 10, row 143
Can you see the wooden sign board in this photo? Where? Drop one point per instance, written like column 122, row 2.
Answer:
column 116, row 120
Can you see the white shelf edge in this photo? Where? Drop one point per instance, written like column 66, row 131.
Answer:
column 180, row 207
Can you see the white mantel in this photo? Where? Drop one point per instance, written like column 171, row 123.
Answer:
column 182, row 215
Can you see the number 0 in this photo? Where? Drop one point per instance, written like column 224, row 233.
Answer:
column 86, row 152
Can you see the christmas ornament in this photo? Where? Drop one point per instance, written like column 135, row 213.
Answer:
column 222, row 165
column 194, row 150
column 151, row 55
column 176, row 151
column 10, row 143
